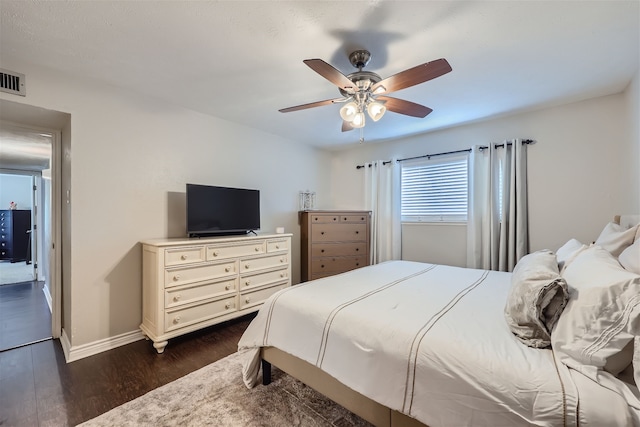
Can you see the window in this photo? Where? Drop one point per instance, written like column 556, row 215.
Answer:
column 435, row 190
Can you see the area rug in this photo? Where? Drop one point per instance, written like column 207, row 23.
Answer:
column 216, row 396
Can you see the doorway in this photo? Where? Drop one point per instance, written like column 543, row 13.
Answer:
column 25, row 229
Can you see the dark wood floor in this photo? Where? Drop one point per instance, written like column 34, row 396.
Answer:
column 24, row 314
column 38, row 388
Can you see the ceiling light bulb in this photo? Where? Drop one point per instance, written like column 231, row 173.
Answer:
column 358, row 120
column 376, row 110
column 349, row 111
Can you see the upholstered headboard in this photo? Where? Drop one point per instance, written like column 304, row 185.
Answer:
column 627, row 221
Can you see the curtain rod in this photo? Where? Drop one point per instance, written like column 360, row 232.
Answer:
column 467, row 150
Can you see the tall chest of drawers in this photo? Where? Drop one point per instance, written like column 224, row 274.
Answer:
column 334, row 242
column 14, row 236
column 189, row 284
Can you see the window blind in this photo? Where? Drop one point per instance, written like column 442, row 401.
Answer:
column 435, row 190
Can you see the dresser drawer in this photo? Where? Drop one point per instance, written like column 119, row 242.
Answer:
column 262, row 279
column 251, row 299
column 337, row 264
column 255, row 264
column 354, row 218
column 278, row 245
column 235, row 250
column 338, row 232
column 324, row 219
column 180, row 256
column 179, row 318
column 199, row 273
column 338, row 249
column 176, row 296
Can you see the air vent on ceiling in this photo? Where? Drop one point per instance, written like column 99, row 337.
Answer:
column 12, row 82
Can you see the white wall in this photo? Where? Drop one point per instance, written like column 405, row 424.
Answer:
column 15, row 188
column 130, row 157
column 579, row 173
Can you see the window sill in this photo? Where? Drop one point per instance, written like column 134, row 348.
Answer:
column 421, row 223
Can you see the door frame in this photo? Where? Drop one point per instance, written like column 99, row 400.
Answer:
column 54, row 252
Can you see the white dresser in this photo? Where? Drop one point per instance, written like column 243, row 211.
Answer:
column 189, row 284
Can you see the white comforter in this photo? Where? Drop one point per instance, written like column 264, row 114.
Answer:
column 427, row 340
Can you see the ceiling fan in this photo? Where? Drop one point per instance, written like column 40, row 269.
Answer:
column 365, row 90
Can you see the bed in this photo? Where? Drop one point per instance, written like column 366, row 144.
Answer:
column 412, row 344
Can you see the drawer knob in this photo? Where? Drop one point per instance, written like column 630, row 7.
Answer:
column 322, row 232
column 176, row 277
column 227, row 269
column 282, row 259
column 226, row 288
column 183, row 257
column 177, row 298
column 357, row 232
column 357, row 249
column 247, row 283
column 321, row 250
column 357, row 264
column 335, row 219
column 322, row 266
column 283, row 275
column 176, row 320
column 215, row 253
column 345, row 218
column 362, row 219
column 246, row 266
column 277, row 246
column 227, row 306
column 257, row 249
column 248, row 300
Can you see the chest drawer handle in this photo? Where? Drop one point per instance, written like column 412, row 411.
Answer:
column 183, row 257
column 357, row 232
column 246, row 266
column 322, row 232
column 176, row 277
column 257, row 249
column 247, row 283
column 227, row 306
column 215, row 253
column 277, row 246
column 335, row 219
column 283, row 259
column 248, row 300
column 176, row 320
column 226, row 288
column 357, row 249
column 177, row 298
column 283, row 275
column 321, row 250
column 227, row 269
column 357, row 264
column 322, row 266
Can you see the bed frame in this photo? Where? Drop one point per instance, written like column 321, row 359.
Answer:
column 377, row 414
column 314, row 377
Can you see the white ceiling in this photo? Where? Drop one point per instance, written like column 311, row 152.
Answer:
column 242, row 61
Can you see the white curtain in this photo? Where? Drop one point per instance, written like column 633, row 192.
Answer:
column 497, row 227
column 382, row 198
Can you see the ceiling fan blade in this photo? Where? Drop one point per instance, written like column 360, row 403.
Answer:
column 330, row 73
column 407, row 108
column 412, row 76
column 346, row 126
column 311, row 105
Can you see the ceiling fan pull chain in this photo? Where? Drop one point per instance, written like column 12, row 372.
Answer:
column 361, row 135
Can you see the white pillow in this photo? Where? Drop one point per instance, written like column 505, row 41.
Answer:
column 630, row 257
column 603, row 312
column 616, row 238
column 568, row 251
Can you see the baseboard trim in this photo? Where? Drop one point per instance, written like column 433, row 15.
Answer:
column 73, row 353
column 47, row 296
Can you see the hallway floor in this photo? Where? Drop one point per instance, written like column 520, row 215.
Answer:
column 24, row 314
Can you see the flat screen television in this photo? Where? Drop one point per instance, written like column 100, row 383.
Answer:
column 221, row 210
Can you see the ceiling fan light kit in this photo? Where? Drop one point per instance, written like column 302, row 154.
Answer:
column 365, row 90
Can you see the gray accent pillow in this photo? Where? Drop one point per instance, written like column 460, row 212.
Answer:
column 536, row 299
